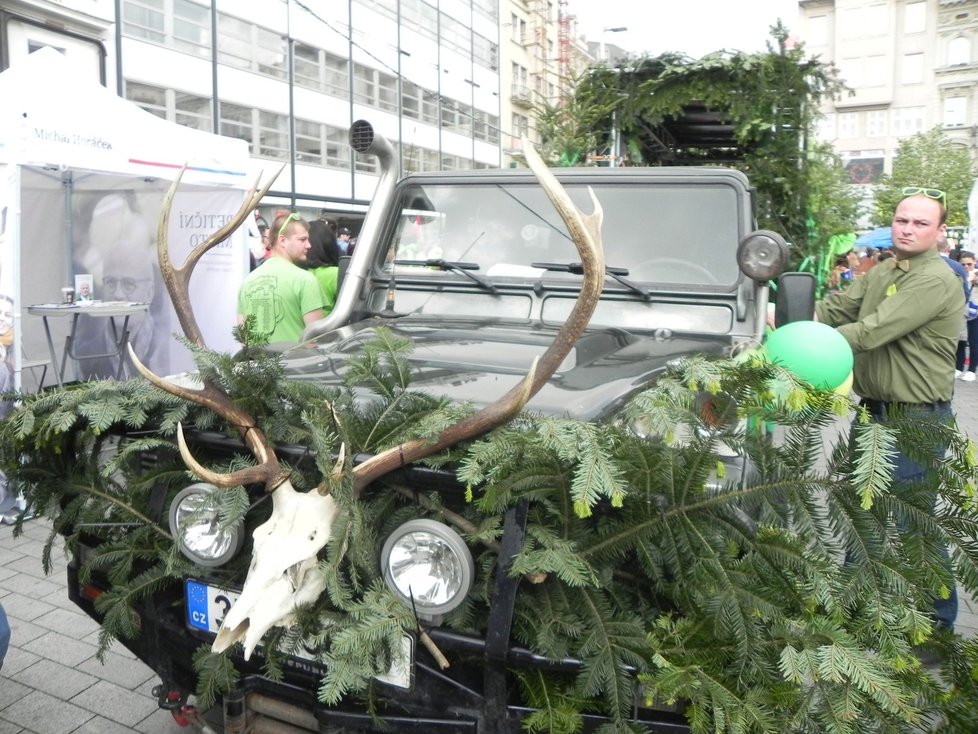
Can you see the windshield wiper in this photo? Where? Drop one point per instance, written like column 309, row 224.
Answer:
column 455, row 267
column 617, row 274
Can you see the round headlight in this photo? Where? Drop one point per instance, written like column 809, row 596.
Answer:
column 427, row 565
column 195, row 523
column 763, row 255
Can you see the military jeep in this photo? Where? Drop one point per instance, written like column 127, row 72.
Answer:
column 478, row 272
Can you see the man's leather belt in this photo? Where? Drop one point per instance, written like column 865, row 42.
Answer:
column 879, row 407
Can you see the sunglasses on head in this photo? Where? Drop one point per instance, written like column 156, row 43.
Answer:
column 935, row 194
column 285, row 223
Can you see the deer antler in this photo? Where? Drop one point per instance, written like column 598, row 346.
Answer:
column 585, row 231
column 283, row 571
column 177, row 280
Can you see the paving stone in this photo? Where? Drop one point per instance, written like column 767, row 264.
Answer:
column 61, row 648
column 45, row 714
column 116, row 703
column 57, row 679
column 24, row 607
column 29, row 586
column 18, row 659
column 158, row 722
column 7, row 727
column 10, row 690
column 100, row 725
column 22, row 632
column 75, row 624
column 29, row 565
column 9, row 555
column 125, row 671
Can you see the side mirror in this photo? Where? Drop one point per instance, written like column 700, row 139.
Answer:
column 795, row 298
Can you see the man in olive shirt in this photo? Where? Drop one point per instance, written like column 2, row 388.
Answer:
column 902, row 320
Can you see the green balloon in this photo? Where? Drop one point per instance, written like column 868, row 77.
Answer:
column 812, row 351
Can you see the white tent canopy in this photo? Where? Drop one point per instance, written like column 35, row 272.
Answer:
column 82, row 176
column 54, row 116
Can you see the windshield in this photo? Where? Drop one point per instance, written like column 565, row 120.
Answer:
column 660, row 234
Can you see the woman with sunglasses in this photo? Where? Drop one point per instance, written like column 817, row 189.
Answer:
column 902, row 320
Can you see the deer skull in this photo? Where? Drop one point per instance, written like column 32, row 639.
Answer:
column 284, row 572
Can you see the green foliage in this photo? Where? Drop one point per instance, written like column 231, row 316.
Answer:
column 770, row 101
column 927, row 159
column 648, row 555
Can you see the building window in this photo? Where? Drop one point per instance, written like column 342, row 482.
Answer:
column 826, row 128
column 246, row 46
column 273, row 135
column 271, row 53
column 875, row 71
column 455, row 35
column 365, row 163
column 337, row 76
column 912, row 69
column 817, row 30
column 144, row 19
column 959, row 51
column 192, row 27
column 364, row 85
column 236, row 122
column 151, row 99
column 308, row 143
column 411, row 100
column 387, row 92
column 337, row 148
column 848, row 124
column 521, row 125
column 514, row 30
column 192, row 111
column 306, row 66
column 485, row 53
column 908, row 121
column 488, row 8
column 915, row 18
column 955, row 111
column 234, row 42
column 429, row 108
column 875, row 123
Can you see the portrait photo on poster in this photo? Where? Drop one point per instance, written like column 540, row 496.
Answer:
column 114, row 241
column 84, row 287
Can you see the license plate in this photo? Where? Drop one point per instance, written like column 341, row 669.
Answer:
column 207, row 606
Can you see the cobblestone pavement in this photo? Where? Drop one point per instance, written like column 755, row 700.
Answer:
column 52, row 683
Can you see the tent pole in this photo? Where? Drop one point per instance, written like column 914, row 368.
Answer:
column 68, row 186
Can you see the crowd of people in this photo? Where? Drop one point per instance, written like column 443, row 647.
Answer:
column 296, row 281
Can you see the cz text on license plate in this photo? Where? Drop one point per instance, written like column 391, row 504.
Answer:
column 207, row 605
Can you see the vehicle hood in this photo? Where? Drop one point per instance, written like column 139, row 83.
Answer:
column 477, row 361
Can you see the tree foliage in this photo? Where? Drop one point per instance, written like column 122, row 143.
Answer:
column 725, row 594
column 771, row 101
column 928, row 159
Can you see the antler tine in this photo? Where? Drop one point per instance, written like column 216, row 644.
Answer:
column 585, row 231
column 267, row 471
column 177, row 280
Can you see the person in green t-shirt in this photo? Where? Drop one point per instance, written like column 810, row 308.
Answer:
column 323, row 260
column 280, row 297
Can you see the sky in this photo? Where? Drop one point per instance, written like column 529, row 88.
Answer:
column 693, row 27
